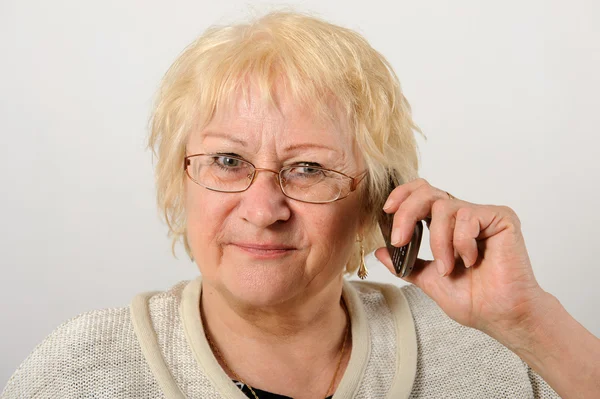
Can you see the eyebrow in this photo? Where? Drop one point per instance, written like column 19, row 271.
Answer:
column 224, row 136
column 302, row 146
column 290, row 148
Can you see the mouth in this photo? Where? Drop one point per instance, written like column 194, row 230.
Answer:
column 264, row 250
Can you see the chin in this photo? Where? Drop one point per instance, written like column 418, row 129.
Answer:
column 262, row 285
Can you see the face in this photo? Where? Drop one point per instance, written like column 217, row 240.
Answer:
column 258, row 246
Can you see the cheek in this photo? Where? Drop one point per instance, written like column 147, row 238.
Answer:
column 334, row 232
column 205, row 217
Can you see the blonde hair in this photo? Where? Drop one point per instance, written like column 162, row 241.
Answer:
column 317, row 61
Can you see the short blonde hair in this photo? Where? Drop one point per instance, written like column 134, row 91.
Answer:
column 317, row 61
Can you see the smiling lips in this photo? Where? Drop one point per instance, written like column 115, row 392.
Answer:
column 264, row 250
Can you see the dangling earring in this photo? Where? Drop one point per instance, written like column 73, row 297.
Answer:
column 362, row 268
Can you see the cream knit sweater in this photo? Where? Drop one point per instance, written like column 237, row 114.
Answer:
column 403, row 346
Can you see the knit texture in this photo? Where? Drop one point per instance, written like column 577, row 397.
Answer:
column 98, row 355
column 381, row 366
column 94, row 355
column 186, row 371
column 455, row 361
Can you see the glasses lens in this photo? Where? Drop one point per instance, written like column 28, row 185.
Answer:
column 220, row 172
column 313, row 184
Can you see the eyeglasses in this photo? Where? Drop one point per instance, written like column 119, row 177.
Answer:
column 306, row 183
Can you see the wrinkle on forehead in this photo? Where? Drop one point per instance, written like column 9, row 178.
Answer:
column 279, row 100
column 279, row 121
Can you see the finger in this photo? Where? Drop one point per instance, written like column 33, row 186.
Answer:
column 424, row 275
column 416, row 207
column 441, row 233
column 419, row 274
column 400, row 193
column 383, row 255
column 466, row 231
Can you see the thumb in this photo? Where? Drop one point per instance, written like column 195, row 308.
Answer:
column 419, row 272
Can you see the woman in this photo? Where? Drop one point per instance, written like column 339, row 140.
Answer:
column 275, row 143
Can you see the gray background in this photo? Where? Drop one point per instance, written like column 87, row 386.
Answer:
column 507, row 93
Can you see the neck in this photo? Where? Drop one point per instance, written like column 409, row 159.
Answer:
column 282, row 321
column 282, row 348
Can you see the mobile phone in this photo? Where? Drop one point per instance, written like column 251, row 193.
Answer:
column 404, row 257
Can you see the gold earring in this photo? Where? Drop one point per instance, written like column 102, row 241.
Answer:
column 362, row 268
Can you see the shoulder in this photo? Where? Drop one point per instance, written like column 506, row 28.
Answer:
column 392, row 297
column 79, row 349
column 452, row 357
column 431, row 324
column 95, row 354
column 423, row 309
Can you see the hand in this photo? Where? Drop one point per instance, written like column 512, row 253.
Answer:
column 481, row 276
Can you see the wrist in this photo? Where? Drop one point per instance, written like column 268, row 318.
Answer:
column 558, row 348
column 534, row 328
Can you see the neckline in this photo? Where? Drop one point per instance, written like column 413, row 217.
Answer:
column 265, row 394
column 194, row 332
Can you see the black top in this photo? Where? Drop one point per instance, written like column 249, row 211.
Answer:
column 262, row 394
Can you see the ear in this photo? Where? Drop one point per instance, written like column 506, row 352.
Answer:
column 364, row 220
column 360, row 228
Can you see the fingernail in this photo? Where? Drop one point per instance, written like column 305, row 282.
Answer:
column 466, row 262
column 395, row 236
column 441, row 268
column 388, row 204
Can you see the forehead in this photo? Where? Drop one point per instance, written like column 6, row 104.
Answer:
column 278, row 126
column 283, row 116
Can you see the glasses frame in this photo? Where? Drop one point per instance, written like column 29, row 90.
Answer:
column 354, row 181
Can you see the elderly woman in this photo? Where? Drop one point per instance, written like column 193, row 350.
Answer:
column 275, row 142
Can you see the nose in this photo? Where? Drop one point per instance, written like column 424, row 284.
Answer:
column 263, row 203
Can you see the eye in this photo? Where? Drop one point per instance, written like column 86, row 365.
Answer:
column 307, row 170
column 228, row 160
column 308, row 166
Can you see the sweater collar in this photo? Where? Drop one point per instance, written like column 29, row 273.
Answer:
column 194, row 331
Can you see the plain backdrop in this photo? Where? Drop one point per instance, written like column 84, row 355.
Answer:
column 505, row 91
